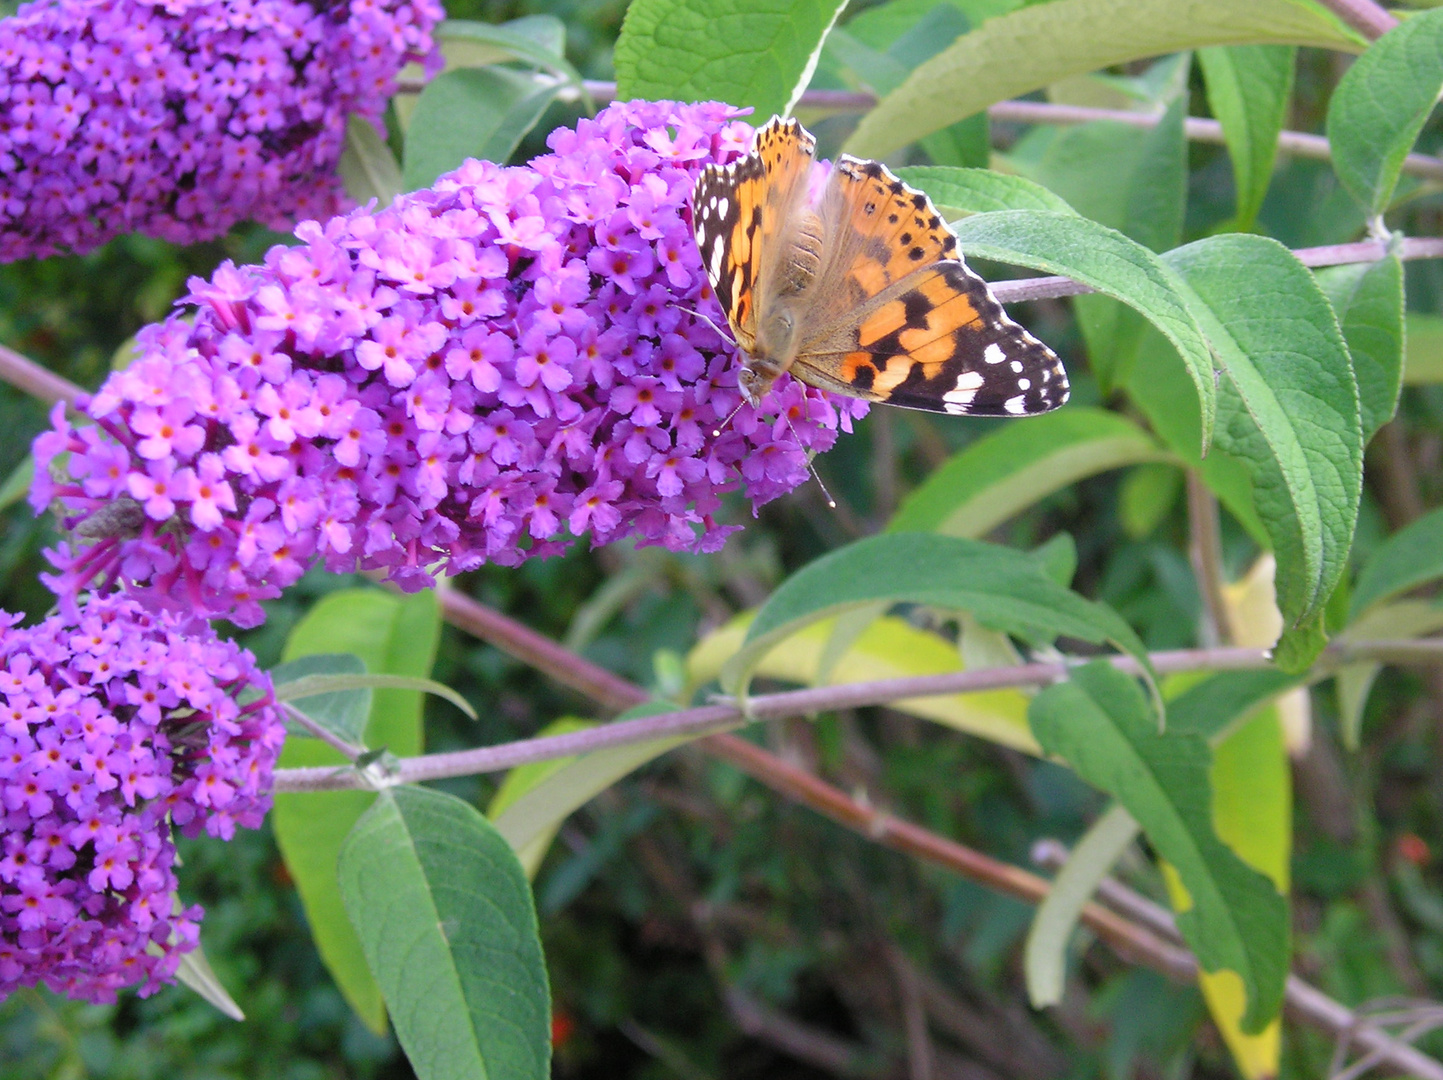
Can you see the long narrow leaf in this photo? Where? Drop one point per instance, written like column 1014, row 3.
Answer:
column 446, row 921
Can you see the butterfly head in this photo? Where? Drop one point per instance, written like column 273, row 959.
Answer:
column 754, row 383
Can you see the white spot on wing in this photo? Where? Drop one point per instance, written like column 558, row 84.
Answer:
column 957, row 399
column 1014, row 405
column 718, row 253
column 722, row 206
column 1017, row 367
column 993, row 354
column 1024, row 384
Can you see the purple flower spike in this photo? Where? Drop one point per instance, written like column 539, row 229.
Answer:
column 115, row 724
column 181, row 119
column 478, row 373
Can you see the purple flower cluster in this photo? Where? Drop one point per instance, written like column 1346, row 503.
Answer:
column 113, row 722
column 181, row 118
column 479, row 372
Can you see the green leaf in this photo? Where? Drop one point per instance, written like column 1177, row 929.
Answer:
column 967, row 142
column 324, row 684
column 343, row 711
column 1044, row 959
column 368, row 168
column 885, row 24
column 534, row 800
column 389, row 634
column 1410, row 557
column 1043, row 43
column 871, row 69
column 17, row 484
column 1368, row 300
column 448, row 926
column 747, row 52
column 1250, row 88
column 1400, row 619
column 1108, row 262
column 1005, row 472
column 196, row 974
column 1422, row 348
column 471, row 113
column 978, row 191
column 1212, row 707
column 1289, row 409
column 539, row 40
column 1158, row 385
column 1146, row 497
column 1153, row 183
column 1130, row 179
column 1381, row 104
column 1101, row 724
column 1003, row 589
column 1126, row 177
column 1253, row 815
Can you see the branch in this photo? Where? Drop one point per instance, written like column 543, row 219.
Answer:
column 725, row 716
column 1046, row 288
column 39, row 382
column 818, row 1048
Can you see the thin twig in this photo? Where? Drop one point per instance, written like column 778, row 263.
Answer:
column 1046, row 288
column 1364, row 16
column 822, row 1049
column 1205, row 551
column 39, row 382
column 607, row 689
column 1196, row 128
column 920, row 1052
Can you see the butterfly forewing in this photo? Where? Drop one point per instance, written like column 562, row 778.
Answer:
column 878, row 230
column 739, row 214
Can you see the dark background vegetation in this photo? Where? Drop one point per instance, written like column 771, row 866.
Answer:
column 689, row 879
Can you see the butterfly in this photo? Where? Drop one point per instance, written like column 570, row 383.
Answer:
column 861, row 291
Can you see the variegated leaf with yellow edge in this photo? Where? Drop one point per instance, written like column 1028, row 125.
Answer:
column 1252, row 813
column 1252, row 804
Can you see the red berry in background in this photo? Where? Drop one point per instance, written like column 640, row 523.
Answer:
column 1414, row 849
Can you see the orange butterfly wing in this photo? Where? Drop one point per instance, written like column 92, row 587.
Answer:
column 896, row 315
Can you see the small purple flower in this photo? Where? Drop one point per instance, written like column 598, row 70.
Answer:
column 119, row 723
column 181, row 119
column 478, row 373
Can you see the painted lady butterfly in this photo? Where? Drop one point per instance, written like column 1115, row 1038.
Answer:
column 863, row 293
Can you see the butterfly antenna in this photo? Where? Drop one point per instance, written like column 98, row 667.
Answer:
column 724, row 334
column 716, row 431
column 831, row 502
